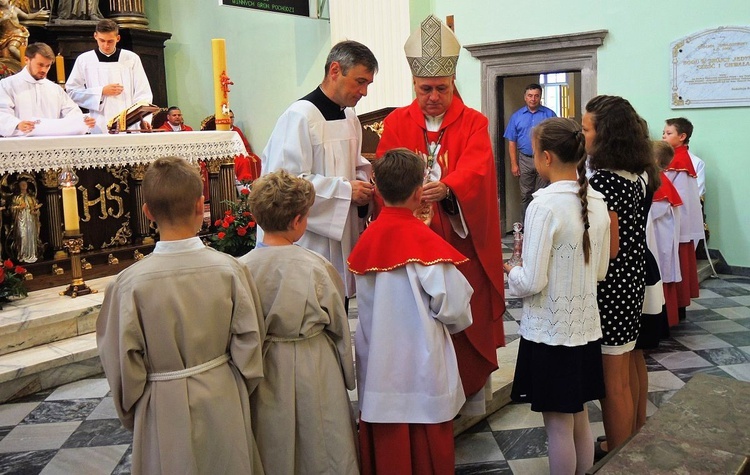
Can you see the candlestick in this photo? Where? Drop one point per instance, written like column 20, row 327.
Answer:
column 22, row 52
column 60, row 68
column 515, row 259
column 73, row 240
column 221, row 84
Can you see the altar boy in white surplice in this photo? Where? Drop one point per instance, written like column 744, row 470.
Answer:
column 180, row 335
column 302, row 419
column 411, row 297
column 108, row 80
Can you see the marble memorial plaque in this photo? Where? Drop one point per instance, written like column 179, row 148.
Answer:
column 711, row 68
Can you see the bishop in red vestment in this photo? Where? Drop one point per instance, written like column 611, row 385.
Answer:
column 454, row 139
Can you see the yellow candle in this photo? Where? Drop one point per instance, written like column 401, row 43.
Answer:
column 60, row 68
column 221, row 87
column 22, row 50
column 70, row 209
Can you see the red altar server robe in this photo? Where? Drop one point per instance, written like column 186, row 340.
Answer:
column 468, row 169
column 681, row 173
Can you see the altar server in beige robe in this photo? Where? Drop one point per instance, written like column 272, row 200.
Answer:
column 302, row 418
column 180, row 337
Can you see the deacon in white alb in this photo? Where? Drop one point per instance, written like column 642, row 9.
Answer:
column 108, row 80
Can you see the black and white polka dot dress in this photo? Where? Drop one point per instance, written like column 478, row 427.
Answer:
column 620, row 295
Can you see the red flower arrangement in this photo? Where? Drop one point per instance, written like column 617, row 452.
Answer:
column 235, row 233
column 11, row 280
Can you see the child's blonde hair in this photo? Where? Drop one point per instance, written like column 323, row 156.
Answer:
column 277, row 198
column 663, row 153
column 171, row 187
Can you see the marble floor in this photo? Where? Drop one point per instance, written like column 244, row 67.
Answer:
column 714, row 339
column 74, row 428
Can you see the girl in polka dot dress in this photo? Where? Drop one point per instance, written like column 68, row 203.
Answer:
column 619, row 152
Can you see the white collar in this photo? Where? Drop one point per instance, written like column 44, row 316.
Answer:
column 433, row 123
column 181, row 245
column 26, row 76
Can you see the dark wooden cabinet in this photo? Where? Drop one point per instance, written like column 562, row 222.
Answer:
column 372, row 127
column 70, row 41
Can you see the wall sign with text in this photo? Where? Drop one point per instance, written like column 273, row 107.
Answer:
column 291, row 7
column 711, row 68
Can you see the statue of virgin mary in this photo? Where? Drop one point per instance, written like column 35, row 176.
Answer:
column 79, row 10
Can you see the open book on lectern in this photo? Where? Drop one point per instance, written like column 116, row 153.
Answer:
column 131, row 116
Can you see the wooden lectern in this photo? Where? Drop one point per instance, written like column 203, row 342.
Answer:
column 130, row 116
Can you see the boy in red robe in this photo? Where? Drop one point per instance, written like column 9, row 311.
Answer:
column 411, row 297
column 684, row 178
column 665, row 219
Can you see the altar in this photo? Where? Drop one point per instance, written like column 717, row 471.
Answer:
column 111, row 170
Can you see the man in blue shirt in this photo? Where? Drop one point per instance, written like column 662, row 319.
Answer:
column 518, row 134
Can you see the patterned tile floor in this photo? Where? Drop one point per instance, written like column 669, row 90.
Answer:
column 74, row 428
column 714, row 339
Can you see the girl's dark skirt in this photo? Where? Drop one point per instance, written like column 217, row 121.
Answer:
column 558, row 378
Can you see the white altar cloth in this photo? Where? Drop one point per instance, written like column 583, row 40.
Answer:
column 19, row 154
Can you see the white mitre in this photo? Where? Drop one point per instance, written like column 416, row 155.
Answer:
column 432, row 51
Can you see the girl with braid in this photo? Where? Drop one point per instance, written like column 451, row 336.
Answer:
column 566, row 252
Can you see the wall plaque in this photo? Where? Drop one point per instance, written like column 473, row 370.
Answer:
column 291, row 7
column 711, row 68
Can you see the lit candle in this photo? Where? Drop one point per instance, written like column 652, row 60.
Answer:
column 22, row 50
column 60, row 68
column 70, row 209
column 221, row 98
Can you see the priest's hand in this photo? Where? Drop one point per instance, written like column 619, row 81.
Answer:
column 434, row 191
column 25, row 126
column 112, row 90
column 89, row 121
column 361, row 192
column 146, row 125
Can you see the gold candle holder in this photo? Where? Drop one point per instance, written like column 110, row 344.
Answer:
column 72, row 238
column 74, row 244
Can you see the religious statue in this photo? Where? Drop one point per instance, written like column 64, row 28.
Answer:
column 79, row 10
column 25, row 210
column 13, row 34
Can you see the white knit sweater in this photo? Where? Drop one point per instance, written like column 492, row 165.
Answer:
column 557, row 286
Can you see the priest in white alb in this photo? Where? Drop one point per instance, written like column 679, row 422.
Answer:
column 319, row 138
column 108, row 80
column 28, row 97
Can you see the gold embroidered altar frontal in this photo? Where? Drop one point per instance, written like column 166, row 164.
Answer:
column 110, row 168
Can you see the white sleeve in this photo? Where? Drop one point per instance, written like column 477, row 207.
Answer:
column 87, row 97
column 141, row 86
column 601, row 272
column 8, row 119
column 531, row 277
column 291, row 148
column 452, row 310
